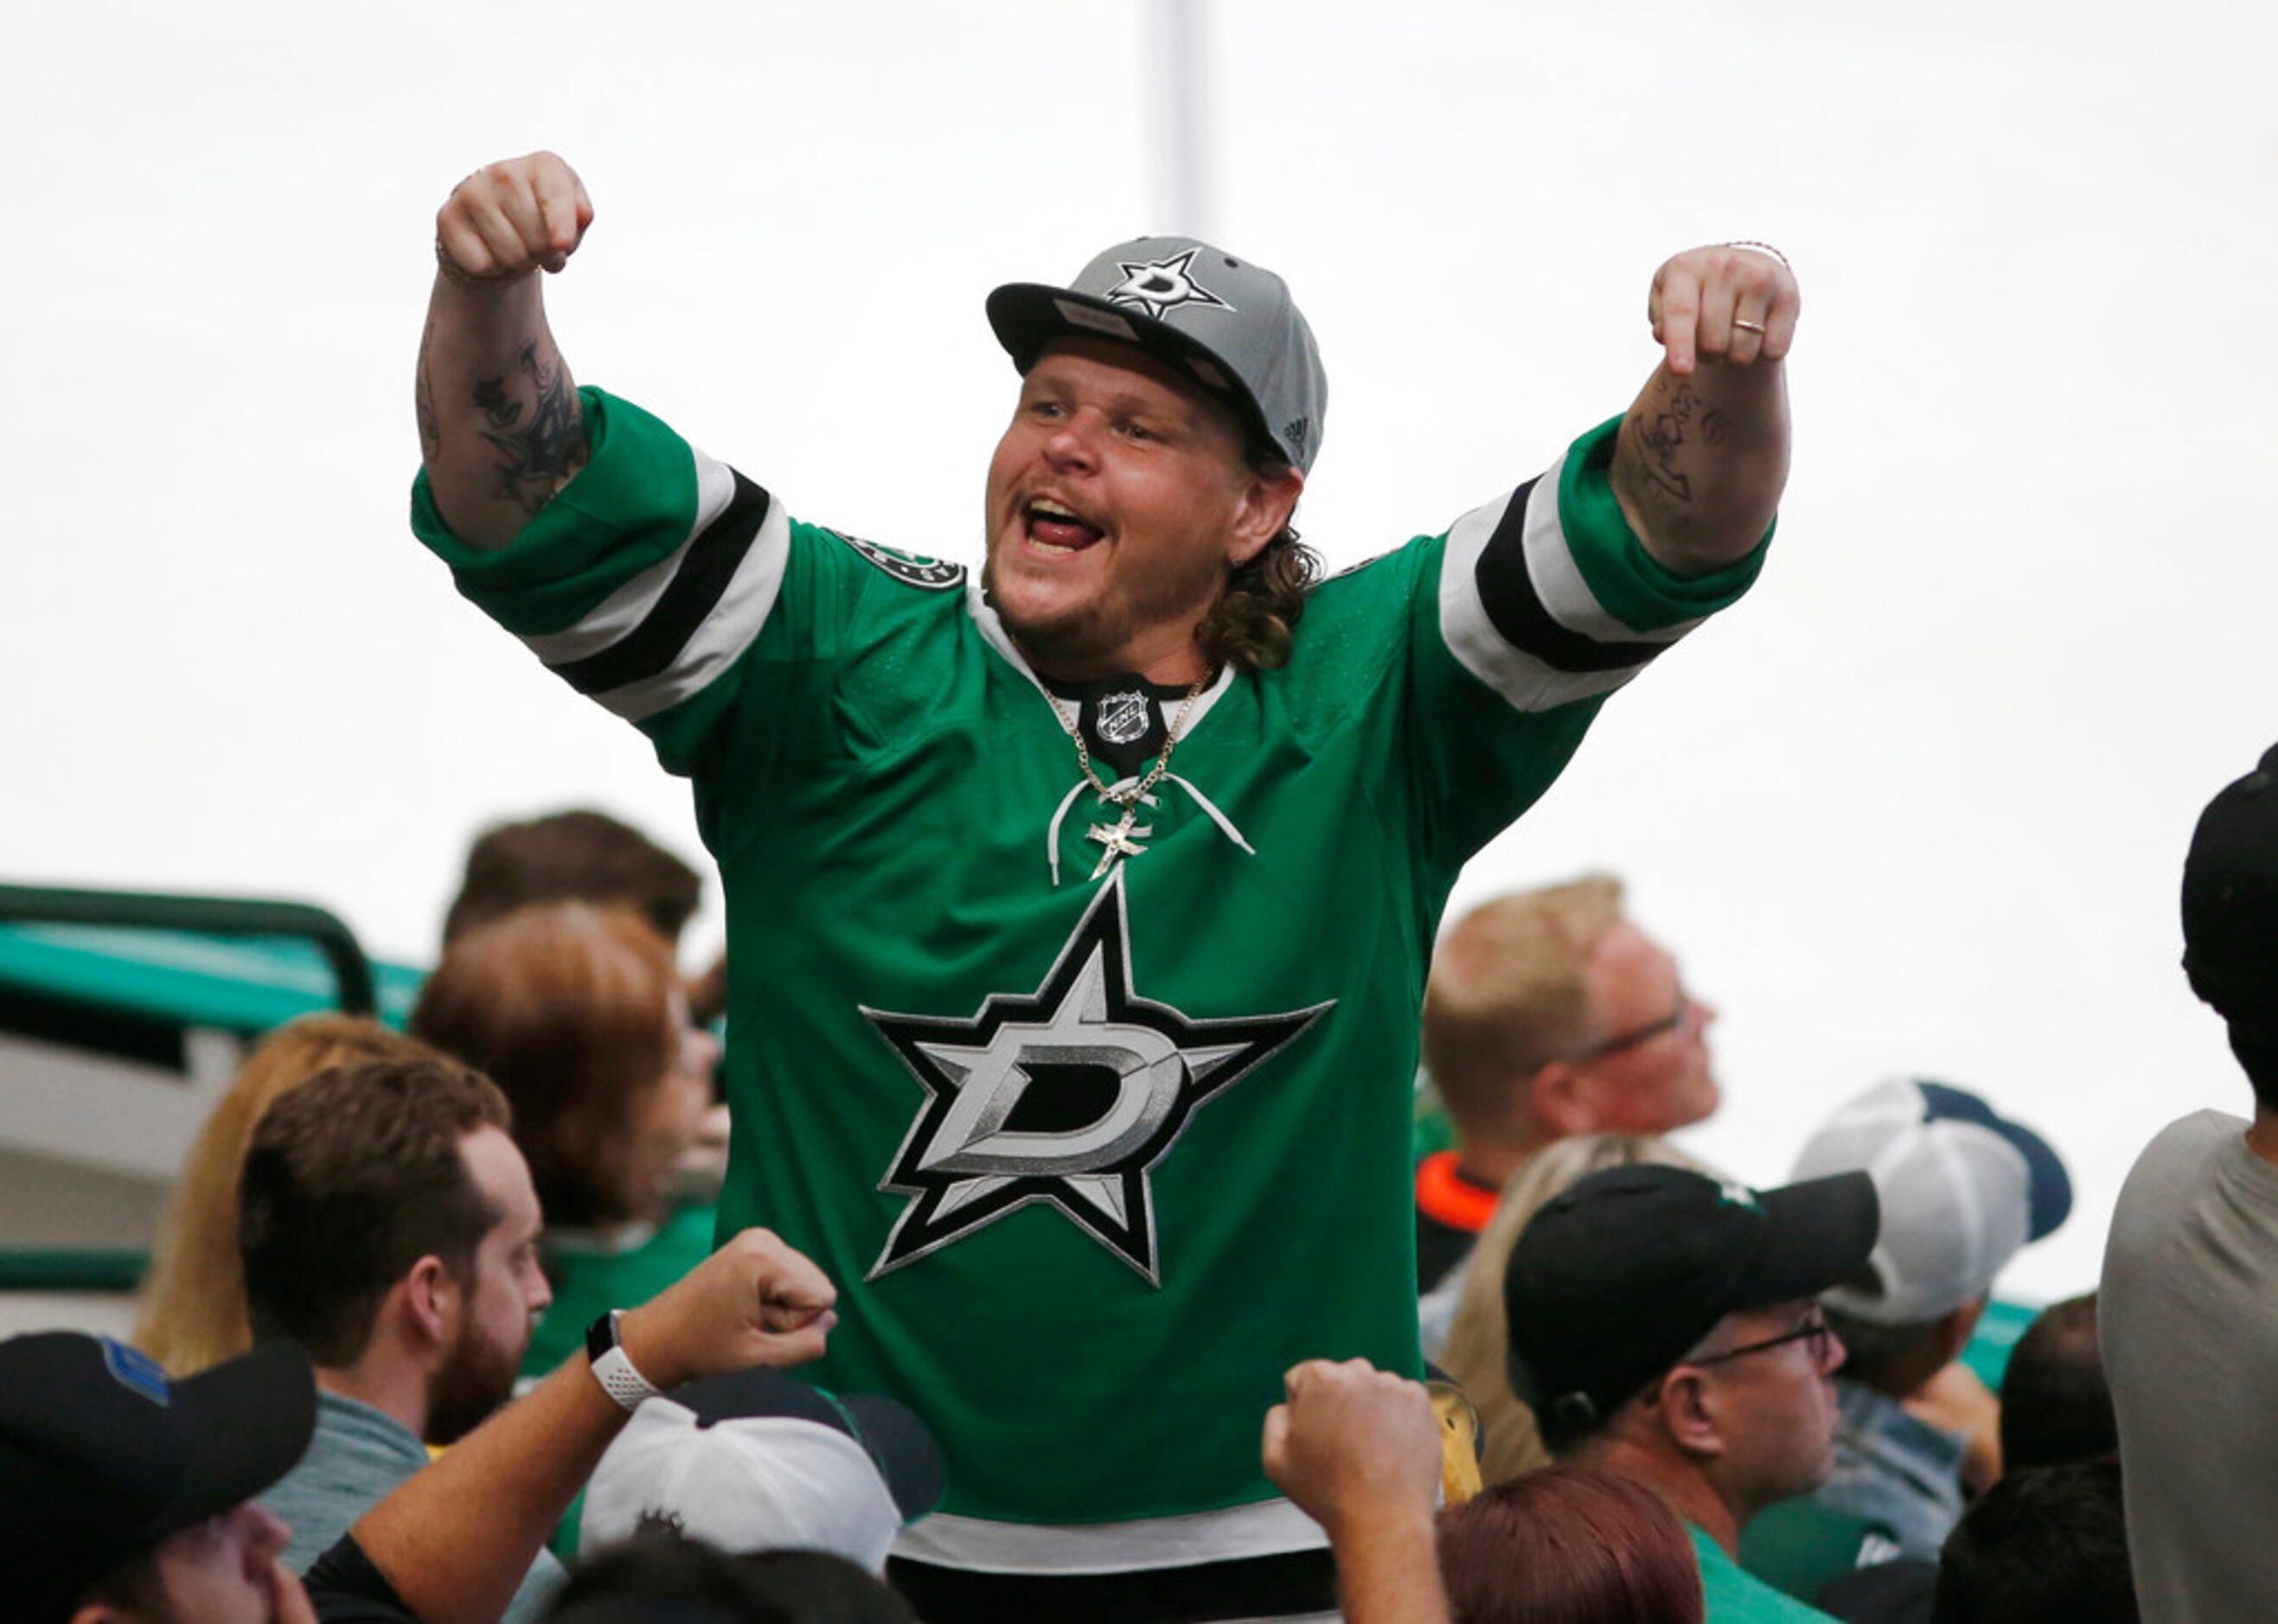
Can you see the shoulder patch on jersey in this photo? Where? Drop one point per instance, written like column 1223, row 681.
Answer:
column 1355, row 569
column 929, row 574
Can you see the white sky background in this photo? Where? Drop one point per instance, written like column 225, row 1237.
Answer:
column 1919, row 804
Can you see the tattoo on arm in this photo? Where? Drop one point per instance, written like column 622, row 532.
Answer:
column 1662, row 470
column 538, row 450
column 1661, row 441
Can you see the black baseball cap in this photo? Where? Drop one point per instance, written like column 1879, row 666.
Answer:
column 101, row 1456
column 2230, row 901
column 1614, row 1281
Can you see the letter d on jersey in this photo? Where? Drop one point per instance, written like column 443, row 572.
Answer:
column 1068, row 1097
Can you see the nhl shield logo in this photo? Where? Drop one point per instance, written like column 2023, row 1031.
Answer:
column 1123, row 717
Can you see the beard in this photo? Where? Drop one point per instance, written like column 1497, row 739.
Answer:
column 1090, row 640
column 473, row 1381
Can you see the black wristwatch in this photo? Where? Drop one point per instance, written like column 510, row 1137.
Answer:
column 611, row 1367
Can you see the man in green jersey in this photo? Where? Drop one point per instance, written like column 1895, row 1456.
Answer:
column 1080, row 913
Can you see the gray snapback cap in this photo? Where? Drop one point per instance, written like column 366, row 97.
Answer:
column 1230, row 324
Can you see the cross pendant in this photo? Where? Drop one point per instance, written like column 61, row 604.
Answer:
column 1117, row 841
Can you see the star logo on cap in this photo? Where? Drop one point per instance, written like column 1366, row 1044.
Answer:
column 1159, row 286
column 1068, row 1097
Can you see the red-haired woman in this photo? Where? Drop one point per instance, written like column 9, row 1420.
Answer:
column 577, row 1013
column 1569, row 1545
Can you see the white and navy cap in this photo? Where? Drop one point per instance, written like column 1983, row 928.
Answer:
column 1963, row 1189
column 1230, row 324
column 758, row 1460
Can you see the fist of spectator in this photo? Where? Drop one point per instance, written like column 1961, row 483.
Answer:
column 755, row 1301
column 1353, row 1444
column 511, row 218
column 1734, row 302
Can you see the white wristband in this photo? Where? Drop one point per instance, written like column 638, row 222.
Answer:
column 613, row 1368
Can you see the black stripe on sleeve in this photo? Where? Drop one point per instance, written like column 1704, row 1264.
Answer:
column 695, row 591
column 1518, row 610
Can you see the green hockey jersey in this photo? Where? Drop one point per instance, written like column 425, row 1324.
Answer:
column 1091, row 1160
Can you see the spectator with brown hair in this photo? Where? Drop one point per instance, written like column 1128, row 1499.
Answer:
column 576, row 1014
column 579, row 855
column 390, row 1230
column 1569, row 1545
column 583, row 856
column 1477, row 1354
column 194, row 1298
column 1547, row 1014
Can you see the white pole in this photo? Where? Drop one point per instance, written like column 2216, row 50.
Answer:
column 1178, row 107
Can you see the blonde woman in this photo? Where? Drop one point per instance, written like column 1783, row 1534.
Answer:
column 194, row 1298
column 1479, row 1341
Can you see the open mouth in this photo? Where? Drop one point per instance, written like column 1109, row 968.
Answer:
column 1052, row 528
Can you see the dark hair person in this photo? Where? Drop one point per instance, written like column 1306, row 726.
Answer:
column 1569, row 1545
column 658, row 1575
column 350, row 1179
column 576, row 856
column 2047, row 1542
column 2056, row 1406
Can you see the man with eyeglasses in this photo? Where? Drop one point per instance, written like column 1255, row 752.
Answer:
column 1662, row 1325
column 1548, row 1014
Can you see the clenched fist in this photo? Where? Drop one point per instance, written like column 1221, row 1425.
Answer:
column 1353, row 1444
column 1734, row 302
column 511, row 218
column 755, row 1301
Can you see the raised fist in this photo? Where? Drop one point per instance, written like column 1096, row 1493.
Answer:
column 1736, row 302
column 755, row 1301
column 1353, row 1444
column 510, row 217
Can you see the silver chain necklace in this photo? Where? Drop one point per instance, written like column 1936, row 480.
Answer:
column 1118, row 841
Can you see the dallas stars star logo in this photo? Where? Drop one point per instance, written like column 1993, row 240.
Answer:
column 1069, row 1097
column 1162, row 285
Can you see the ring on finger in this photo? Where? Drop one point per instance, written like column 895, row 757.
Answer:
column 1747, row 326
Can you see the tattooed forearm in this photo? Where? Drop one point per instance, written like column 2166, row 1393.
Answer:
column 430, row 425
column 1670, row 431
column 538, row 446
column 1660, row 432
column 1700, row 462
